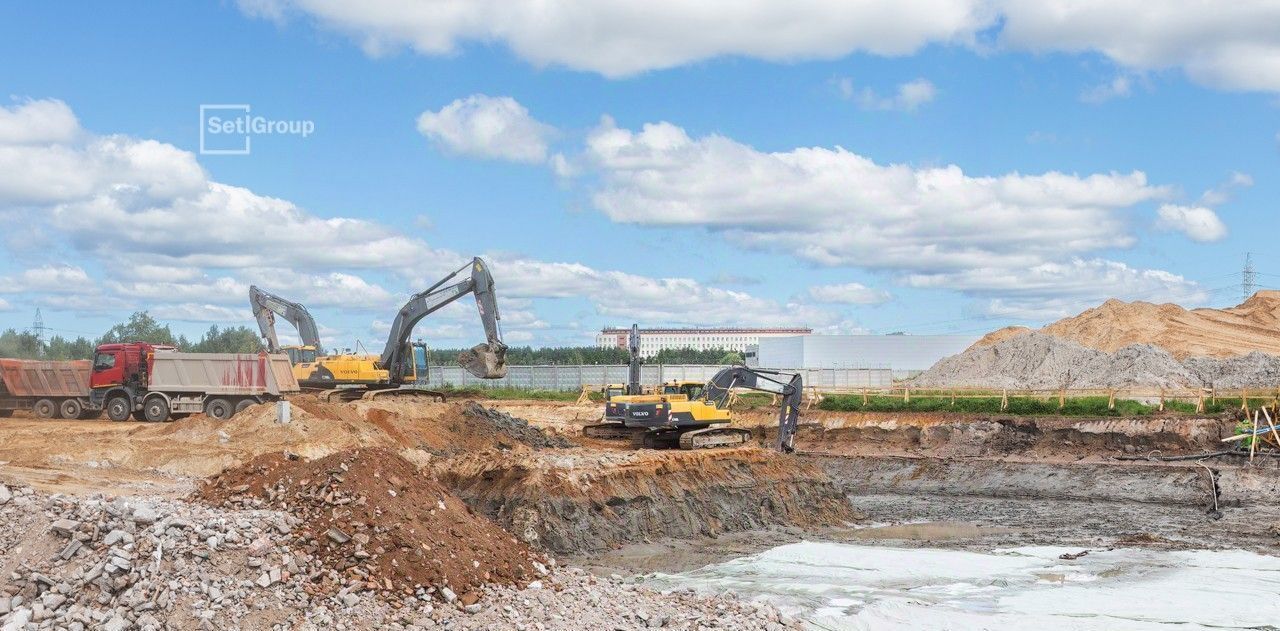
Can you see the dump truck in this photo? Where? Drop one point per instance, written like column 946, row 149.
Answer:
column 159, row 383
column 50, row 389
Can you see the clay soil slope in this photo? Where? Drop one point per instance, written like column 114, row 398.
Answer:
column 1251, row 326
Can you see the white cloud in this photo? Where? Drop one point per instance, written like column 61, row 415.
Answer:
column 37, row 123
column 198, row 312
column 487, row 127
column 5, row 306
column 1223, row 192
column 54, row 279
column 1230, row 45
column 194, row 245
column 834, row 207
column 1117, row 88
column 849, row 294
column 620, row 38
column 654, row 300
column 1233, row 45
column 1055, row 290
column 1198, row 223
column 908, row 97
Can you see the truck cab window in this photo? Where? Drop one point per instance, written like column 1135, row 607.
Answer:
column 103, row 361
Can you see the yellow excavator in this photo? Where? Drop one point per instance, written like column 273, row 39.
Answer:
column 311, row 366
column 704, row 421
column 349, row 377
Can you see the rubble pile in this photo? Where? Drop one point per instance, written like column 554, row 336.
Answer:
column 513, row 427
column 378, row 524
column 127, row 564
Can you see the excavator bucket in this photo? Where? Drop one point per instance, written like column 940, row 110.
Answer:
column 484, row 361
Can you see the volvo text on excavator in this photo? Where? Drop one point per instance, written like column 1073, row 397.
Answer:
column 704, row 422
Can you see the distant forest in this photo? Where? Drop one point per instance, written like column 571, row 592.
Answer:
column 141, row 327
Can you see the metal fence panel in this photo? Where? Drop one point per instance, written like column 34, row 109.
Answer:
column 575, row 377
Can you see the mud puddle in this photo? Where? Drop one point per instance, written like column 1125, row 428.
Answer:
column 852, row 586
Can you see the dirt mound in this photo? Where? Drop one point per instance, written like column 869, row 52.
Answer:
column 1253, row 325
column 1040, row 361
column 517, row 428
column 377, row 523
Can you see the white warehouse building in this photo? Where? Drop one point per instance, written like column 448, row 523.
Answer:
column 906, row 355
column 654, row 340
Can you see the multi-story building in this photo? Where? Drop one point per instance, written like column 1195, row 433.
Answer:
column 906, row 355
column 654, row 340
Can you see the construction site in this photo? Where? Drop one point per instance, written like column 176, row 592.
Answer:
column 254, row 492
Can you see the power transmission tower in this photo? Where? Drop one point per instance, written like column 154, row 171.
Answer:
column 37, row 329
column 1248, row 278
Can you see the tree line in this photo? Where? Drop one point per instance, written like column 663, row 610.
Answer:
column 140, row 327
column 590, row 355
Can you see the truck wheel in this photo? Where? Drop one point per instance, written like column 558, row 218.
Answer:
column 45, row 408
column 139, row 415
column 244, row 405
column 156, row 410
column 219, row 409
column 71, row 408
column 118, row 409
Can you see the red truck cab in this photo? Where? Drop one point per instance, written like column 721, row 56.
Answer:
column 121, row 364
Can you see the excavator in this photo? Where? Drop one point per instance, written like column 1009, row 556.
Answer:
column 312, row 368
column 704, row 422
column 349, row 377
column 617, row 396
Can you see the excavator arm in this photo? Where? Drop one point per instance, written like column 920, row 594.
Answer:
column 633, row 370
column 719, row 387
column 487, row 360
column 266, row 306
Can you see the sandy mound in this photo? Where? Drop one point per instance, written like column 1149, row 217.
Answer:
column 1039, row 361
column 1251, row 326
column 378, row 524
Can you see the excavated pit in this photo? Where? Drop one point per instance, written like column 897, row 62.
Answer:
column 578, row 501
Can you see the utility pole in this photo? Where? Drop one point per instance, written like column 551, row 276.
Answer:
column 1248, row 278
column 37, row 329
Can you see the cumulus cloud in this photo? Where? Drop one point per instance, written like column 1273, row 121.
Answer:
column 37, row 123
column 487, row 127
column 834, row 207
column 1198, row 223
column 194, row 245
column 58, row 279
column 908, row 97
column 988, row 237
column 1055, row 290
column 621, row 38
column 666, row 300
column 1232, row 45
column 849, row 294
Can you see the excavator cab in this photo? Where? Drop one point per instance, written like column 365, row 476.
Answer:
column 300, row 354
column 689, row 389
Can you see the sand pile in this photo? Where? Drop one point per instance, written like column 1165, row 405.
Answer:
column 377, row 524
column 1040, row 361
column 1251, row 326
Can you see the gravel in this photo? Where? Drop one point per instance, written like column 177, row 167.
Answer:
column 200, row 567
column 1041, row 361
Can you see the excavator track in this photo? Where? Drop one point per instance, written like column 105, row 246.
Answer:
column 373, row 395
column 714, row 437
column 608, row 431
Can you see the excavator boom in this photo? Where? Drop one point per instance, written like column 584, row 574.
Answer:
column 792, row 392
column 266, row 306
column 487, row 360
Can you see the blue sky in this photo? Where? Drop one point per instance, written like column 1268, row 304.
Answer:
column 873, row 166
